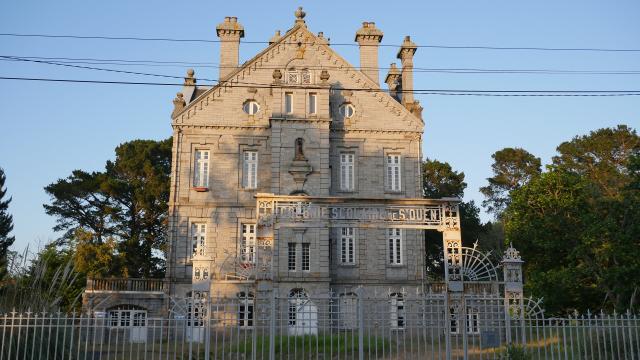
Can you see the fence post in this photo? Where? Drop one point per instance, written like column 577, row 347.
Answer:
column 272, row 326
column 360, row 293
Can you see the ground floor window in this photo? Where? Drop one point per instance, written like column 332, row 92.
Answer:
column 245, row 309
column 397, row 311
column 127, row 316
column 197, row 308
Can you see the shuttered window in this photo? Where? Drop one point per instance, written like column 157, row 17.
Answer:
column 250, row 170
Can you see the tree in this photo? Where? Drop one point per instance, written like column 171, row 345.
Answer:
column 440, row 180
column 577, row 224
column 6, row 226
column 125, row 205
column 601, row 156
column 512, row 168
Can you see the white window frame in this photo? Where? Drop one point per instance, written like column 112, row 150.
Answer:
column 347, row 171
column 292, row 256
column 395, row 242
column 313, row 103
column 288, row 103
column 198, row 239
column 251, row 107
column 246, row 310
column 248, row 243
column 473, row 321
column 305, row 263
column 398, row 313
column 347, row 246
column 124, row 318
column 201, row 160
column 393, row 171
column 250, row 169
column 347, row 114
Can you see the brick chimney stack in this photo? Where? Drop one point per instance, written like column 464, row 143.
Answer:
column 230, row 32
column 405, row 54
column 369, row 37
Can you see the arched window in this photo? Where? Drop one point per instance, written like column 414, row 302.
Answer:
column 297, row 299
column 251, row 107
column 246, row 303
column 127, row 316
column 347, row 110
column 397, row 311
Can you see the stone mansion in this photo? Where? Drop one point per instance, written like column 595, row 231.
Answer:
column 298, row 174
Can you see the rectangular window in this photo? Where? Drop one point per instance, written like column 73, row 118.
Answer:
column 473, row 323
column 288, row 103
column 394, row 237
column 291, row 256
column 347, row 246
column 346, row 172
column 245, row 312
column 201, row 169
column 306, row 257
column 248, row 243
column 393, row 172
column 250, row 170
column 312, row 103
column 397, row 311
column 198, row 239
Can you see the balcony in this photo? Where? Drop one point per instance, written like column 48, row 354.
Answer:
column 126, row 285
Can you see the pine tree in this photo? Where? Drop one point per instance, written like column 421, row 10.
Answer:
column 6, row 225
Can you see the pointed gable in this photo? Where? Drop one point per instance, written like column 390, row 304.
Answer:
column 256, row 76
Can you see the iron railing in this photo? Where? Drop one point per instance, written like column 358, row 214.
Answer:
column 345, row 326
column 126, row 284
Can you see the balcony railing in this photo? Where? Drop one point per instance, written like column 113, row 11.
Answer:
column 126, row 284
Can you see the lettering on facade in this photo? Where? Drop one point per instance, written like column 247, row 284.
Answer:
column 422, row 215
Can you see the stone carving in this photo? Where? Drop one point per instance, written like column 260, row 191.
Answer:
column 277, row 76
column 190, row 80
column 324, row 76
column 178, row 103
column 299, row 149
column 300, row 167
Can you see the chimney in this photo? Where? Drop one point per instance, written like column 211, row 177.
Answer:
column 405, row 54
column 393, row 81
column 369, row 37
column 230, row 32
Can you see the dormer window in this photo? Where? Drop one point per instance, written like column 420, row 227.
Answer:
column 251, row 107
column 347, row 110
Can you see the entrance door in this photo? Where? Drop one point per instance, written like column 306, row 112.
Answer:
column 138, row 331
column 303, row 314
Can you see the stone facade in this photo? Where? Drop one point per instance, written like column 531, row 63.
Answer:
column 302, row 67
column 296, row 120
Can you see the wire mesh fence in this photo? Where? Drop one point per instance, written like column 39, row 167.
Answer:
column 344, row 326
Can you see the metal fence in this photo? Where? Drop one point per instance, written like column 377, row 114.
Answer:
column 344, row 326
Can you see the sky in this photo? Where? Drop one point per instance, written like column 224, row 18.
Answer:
column 49, row 129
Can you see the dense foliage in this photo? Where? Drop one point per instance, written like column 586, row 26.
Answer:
column 577, row 225
column 115, row 220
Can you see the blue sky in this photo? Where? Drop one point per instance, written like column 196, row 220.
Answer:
column 49, row 129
